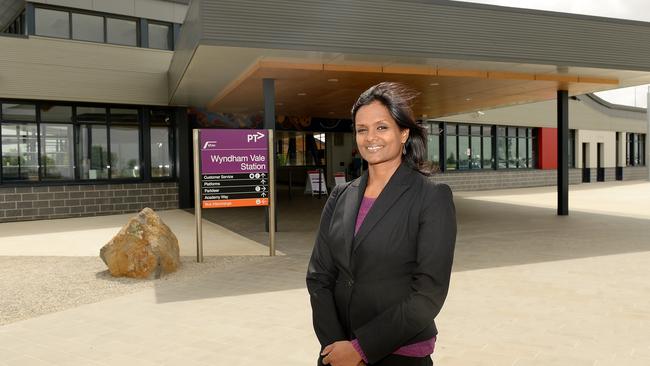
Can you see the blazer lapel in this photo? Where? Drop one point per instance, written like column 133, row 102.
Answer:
column 351, row 209
column 396, row 186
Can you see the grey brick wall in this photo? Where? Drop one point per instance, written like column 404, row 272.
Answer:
column 610, row 174
column 54, row 202
column 482, row 180
column 635, row 173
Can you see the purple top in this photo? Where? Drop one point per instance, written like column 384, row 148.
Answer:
column 366, row 203
column 419, row 349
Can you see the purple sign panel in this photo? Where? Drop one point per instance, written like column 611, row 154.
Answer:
column 234, row 168
column 234, row 151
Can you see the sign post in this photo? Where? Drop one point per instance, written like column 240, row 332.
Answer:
column 233, row 168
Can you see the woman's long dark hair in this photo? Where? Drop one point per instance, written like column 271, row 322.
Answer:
column 397, row 98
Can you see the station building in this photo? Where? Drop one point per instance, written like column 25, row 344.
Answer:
column 98, row 98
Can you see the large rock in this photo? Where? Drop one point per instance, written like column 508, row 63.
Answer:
column 144, row 248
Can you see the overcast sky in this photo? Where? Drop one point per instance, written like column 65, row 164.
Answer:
column 623, row 9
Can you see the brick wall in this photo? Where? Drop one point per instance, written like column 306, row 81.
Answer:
column 60, row 201
column 481, row 180
column 610, row 174
column 635, row 173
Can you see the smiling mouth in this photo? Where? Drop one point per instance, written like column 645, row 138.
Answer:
column 373, row 148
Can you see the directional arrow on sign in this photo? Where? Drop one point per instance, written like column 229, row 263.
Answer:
column 263, row 181
column 263, row 194
column 263, row 175
column 264, row 189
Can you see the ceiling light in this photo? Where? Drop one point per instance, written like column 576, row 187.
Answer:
column 279, row 104
column 434, row 84
column 302, row 94
column 480, row 113
column 468, row 99
column 333, row 80
column 330, row 112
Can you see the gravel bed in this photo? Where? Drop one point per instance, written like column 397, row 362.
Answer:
column 33, row 286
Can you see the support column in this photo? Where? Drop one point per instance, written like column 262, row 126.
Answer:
column 184, row 164
column 269, row 123
column 269, row 103
column 647, row 137
column 562, row 152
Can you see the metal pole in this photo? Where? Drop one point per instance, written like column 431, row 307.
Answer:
column 320, row 182
column 562, row 152
column 271, row 194
column 647, row 137
column 197, row 196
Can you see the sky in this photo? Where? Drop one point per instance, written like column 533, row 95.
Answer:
column 622, row 9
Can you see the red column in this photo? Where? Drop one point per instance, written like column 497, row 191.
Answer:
column 547, row 148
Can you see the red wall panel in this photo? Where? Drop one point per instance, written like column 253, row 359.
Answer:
column 547, row 148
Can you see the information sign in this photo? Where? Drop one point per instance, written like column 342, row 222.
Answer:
column 234, row 168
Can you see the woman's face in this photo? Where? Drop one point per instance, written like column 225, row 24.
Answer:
column 378, row 136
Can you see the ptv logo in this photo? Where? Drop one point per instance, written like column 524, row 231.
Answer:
column 210, row 145
column 254, row 137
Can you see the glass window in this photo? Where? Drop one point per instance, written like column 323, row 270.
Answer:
column 315, row 148
column 642, row 148
column 121, row 31
column 450, row 129
column 521, row 153
column 433, row 146
column 475, row 160
column 124, row 115
column 433, row 151
column 501, row 153
column 488, row 160
column 452, row 158
column 57, row 151
column 55, row 113
column 571, row 151
column 19, row 151
column 463, row 130
column 125, row 151
column 291, row 148
column 91, row 114
column 92, row 152
column 52, row 23
column 512, row 152
column 628, row 149
column 531, row 155
column 523, row 132
column 161, row 138
column 159, row 36
column 487, row 130
column 87, row 27
column 18, row 112
column 464, row 152
column 475, row 130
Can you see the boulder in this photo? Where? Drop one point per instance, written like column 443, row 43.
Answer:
column 144, row 248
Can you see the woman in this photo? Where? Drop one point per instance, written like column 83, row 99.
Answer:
column 380, row 269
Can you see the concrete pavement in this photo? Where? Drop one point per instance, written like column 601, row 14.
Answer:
column 528, row 288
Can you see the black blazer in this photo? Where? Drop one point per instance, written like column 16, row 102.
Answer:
column 385, row 285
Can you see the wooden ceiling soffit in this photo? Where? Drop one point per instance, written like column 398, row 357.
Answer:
column 563, row 81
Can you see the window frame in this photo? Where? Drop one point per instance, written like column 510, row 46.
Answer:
column 76, row 124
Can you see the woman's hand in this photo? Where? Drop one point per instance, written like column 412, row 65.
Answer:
column 341, row 353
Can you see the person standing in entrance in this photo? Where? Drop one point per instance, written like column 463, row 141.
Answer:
column 380, row 268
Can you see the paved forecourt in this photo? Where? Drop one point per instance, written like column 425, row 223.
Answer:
column 529, row 288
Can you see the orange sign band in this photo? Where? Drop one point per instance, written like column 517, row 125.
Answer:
column 242, row 202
